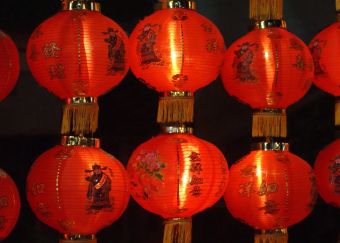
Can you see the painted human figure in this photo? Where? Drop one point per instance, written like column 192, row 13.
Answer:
column 146, row 44
column 242, row 62
column 316, row 50
column 99, row 188
column 116, row 51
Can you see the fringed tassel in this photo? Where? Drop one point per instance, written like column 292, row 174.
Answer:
column 260, row 10
column 269, row 123
column 177, row 230
column 337, row 112
column 280, row 236
column 175, row 109
column 80, row 118
column 337, row 5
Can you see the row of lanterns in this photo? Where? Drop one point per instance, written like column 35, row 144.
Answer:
column 79, row 54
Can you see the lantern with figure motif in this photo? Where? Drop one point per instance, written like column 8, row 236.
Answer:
column 77, row 189
column 9, row 204
column 9, row 65
column 176, row 51
column 271, row 189
column 78, row 54
column 268, row 69
column 177, row 175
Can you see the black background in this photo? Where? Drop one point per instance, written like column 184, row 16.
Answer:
column 30, row 121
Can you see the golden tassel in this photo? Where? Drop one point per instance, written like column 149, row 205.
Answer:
column 177, row 230
column 275, row 236
column 337, row 5
column 337, row 111
column 176, row 107
column 80, row 116
column 269, row 123
column 261, row 10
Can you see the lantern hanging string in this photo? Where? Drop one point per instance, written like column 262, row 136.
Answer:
column 261, row 10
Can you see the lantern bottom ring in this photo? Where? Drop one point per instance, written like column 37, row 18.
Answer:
column 79, row 238
column 80, row 141
column 270, row 146
column 81, row 100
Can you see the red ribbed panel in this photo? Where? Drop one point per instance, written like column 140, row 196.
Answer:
column 177, row 175
column 270, row 190
column 78, row 53
column 77, row 190
column 176, row 50
column 268, row 68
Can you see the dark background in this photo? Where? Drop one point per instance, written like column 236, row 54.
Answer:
column 30, row 121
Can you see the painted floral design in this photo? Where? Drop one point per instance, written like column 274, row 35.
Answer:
column 148, row 174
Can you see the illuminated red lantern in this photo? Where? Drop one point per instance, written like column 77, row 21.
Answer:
column 77, row 189
column 271, row 189
column 176, row 176
column 9, row 65
column 327, row 172
column 9, row 204
column 176, row 51
column 78, row 54
column 268, row 69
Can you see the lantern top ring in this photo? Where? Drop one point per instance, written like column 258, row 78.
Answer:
column 271, row 146
column 80, row 141
column 179, row 129
column 80, row 5
column 81, row 100
column 166, row 4
column 264, row 24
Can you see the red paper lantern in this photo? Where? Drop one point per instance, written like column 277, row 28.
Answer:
column 177, row 176
column 176, row 51
column 327, row 172
column 78, row 54
column 77, row 190
column 9, row 205
column 9, row 65
column 269, row 69
column 270, row 190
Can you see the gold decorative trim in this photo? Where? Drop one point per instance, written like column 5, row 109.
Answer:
column 81, row 100
column 80, row 5
column 270, row 146
column 177, row 94
column 168, row 4
column 264, row 24
column 80, row 141
column 177, row 220
column 181, row 129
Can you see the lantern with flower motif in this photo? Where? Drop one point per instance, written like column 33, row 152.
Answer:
column 77, row 189
column 78, row 54
column 271, row 189
column 9, row 204
column 176, row 51
column 177, row 175
column 9, row 65
column 259, row 67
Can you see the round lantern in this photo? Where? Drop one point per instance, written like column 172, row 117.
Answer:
column 271, row 189
column 327, row 172
column 268, row 69
column 77, row 189
column 9, row 65
column 9, row 204
column 78, row 54
column 176, row 175
column 326, row 61
column 176, row 51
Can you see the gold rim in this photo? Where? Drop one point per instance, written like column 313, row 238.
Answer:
column 80, row 141
column 270, row 146
column 169, row 4
column 177, row 220
column 181, row 129
column 81, row 100
column 264, row 24
column 177, row 94
column 80, row 5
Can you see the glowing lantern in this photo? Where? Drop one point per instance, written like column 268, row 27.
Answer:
column 271, row 189
column 268, row 69
column 324, row 48
column 78, row 54
column 327, row 172
column 9, row 204
column 9, row 65
column 77, row 189
column 176, row 175
column 176, row 51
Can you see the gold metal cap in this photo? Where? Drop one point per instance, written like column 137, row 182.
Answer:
column 180, row 129
column 166, row 4
column 81, row 100
column 177, row 94
column 80, row 5
column 80, row 141
column 263, row 24
column 270, row 146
